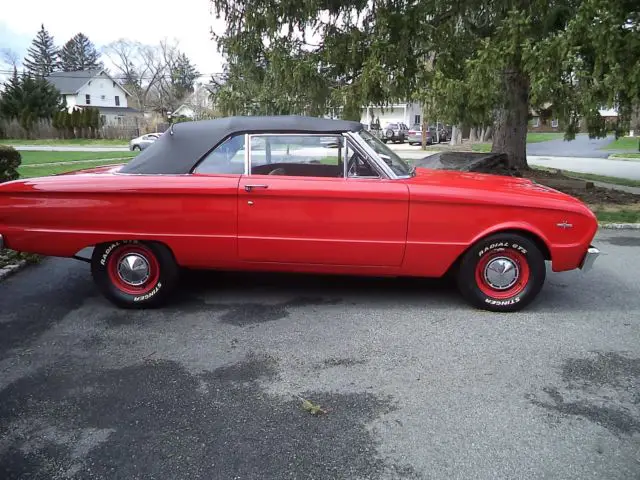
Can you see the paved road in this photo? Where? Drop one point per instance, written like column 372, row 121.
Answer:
column 416, row 384
column 581, row 146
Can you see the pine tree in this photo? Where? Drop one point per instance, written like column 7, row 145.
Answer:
column 79, row 54
column 42, row 56
column 28, row 99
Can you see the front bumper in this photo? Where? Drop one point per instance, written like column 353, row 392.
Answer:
column 589, row 258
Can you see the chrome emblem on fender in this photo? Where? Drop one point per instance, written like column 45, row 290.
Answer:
column 564, row 225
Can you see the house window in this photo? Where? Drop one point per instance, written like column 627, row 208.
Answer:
column 102, row 97
column 87, row 99
column 117, row 101
column 554, row 123
column 536, row 122
column 416, row 120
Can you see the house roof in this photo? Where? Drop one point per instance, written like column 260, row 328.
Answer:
column 179, row 153
column 71, row 82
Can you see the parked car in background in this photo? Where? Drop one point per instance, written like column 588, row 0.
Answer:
column 395, row 132
column 414, row 135
column 203, row 198
column 142, row 142
column 444, row 132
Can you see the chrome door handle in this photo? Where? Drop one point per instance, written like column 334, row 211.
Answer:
column 248, row 188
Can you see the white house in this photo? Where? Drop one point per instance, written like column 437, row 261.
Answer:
column 197, row 105
column 95, row 88
column 407, row 113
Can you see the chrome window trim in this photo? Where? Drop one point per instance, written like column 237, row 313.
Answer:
column 357, row 148
column 284, row 134
column 371, row 153
column 247, row 154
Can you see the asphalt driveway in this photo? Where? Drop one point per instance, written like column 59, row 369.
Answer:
column 415, row 383
column 581, row 146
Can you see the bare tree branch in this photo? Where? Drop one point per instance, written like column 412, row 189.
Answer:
column 10, row 57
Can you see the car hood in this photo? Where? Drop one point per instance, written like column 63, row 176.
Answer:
column 488, row 188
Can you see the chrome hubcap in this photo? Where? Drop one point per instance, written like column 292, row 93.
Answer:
column 133, row 269
column 501, row 273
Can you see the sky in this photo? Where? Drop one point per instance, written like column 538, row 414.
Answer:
column 187, row 21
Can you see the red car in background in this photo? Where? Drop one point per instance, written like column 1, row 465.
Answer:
column 296, row 194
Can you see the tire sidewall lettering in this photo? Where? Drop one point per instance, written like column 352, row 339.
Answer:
column 502, row 245
column 502, row 303
column 111, row 248
column 107, row 252
column 149, row 295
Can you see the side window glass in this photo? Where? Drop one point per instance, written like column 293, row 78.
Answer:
column 358, row 166
column 226, row 158
column 297, row 155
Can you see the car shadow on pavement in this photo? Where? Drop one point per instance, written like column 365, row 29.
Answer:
column 320, row 289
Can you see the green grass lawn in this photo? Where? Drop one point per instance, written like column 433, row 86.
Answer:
column 481, row 147
column 536, row 137
column 27, row 171
column 32, row 157
column 620, row 216
column 624, row 143
column 73, row 141
column 532, row 137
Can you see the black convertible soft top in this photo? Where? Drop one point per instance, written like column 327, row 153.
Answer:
column 178, row 153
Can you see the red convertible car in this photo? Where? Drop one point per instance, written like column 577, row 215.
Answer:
column 297, row 194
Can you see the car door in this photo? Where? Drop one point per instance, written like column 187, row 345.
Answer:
column 297, row 206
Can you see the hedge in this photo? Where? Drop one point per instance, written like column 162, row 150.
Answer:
column 10, row 160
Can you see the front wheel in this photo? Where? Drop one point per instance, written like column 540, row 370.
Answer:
column 134, row 274
column 502, row 273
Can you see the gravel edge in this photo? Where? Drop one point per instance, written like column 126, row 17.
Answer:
column 620, row 226
column 12, row 268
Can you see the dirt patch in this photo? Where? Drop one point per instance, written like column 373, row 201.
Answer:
column 597, row 198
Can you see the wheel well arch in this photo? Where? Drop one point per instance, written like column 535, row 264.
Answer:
column 535, row 238
column 93, row 246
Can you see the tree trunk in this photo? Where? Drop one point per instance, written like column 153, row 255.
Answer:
column 425, row 126
column 456, row 135
column 473, row 134
column 486, row 134
column 511, row 125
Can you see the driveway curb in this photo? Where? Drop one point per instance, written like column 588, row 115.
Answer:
column 620, row 226
column 12, row 268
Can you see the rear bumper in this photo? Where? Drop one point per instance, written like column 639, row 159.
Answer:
column 589, row 258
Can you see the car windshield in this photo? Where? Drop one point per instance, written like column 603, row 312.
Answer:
column 399, row 166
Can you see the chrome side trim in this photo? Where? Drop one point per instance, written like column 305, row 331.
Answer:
column 1, row 242
column 589, row 258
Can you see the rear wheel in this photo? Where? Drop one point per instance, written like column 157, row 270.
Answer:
column 134, row 274
column 502, row 273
